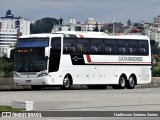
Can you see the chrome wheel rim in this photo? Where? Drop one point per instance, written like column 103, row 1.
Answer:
column 122, row 82
column 66, row 83
column 131, row 81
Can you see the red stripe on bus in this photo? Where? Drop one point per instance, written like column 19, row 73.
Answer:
column 88, row 58
column 120, row 62
column 81, row 36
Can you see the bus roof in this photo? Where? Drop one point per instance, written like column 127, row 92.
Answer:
column 84, row 34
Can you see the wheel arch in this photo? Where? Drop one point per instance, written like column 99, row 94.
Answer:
column 123, row 75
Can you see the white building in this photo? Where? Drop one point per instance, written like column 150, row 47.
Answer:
column 69, row 25
column 73, row 25
column 10, row 28
column 153, row 32
column 91, row 24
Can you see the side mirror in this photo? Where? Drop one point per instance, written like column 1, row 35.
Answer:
column 47, row 49
column 9, row 53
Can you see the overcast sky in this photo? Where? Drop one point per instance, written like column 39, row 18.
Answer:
column 101, row 10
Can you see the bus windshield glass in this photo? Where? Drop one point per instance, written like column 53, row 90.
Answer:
column 30, row 60
column 32, row 42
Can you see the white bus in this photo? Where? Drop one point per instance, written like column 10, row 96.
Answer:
column 94, row 59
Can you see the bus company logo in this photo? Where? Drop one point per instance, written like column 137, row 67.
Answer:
column 76, row 58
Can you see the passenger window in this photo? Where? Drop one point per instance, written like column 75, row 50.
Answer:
column 69, row 46
column 83, row 46
column 109, row 46
column 96, row 46
column 122, row 50
column 143, row 47
column 122, row 46
column 133, row 47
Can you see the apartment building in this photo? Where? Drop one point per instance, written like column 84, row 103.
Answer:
column 153, row 32
column 10, row 29
column 91, row 24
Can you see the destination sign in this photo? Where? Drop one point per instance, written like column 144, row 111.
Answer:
column 23, row 51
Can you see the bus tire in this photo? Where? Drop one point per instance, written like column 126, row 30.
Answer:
column 131, row 82
column 122, row 82
column 67, row 82
column 36, row 87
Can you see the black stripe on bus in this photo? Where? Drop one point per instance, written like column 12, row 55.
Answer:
column 79, row 60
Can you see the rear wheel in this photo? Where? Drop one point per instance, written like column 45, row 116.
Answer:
column 131, row 83
column 122, row 83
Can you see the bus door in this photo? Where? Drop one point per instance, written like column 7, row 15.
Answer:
column 55, row 54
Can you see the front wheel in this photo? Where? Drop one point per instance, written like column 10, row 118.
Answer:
column 66, row 83
column 130, row 83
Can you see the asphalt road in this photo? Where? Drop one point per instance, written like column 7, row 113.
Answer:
column 139, row 99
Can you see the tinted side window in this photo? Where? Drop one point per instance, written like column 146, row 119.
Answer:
column 109, row 46
column 143, row 47
column 69, row 46
column 56, row 43
column 83, row 46
column 122, row 47
column 133, row 47
column 96, row 46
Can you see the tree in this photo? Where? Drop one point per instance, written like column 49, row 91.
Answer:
column 129, row 22
column 43, row 25
column 96, row 28
column 118, row 27
column 60, row 21
column 6, row 67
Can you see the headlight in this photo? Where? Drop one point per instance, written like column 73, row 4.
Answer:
column 16, row 75
column 42, row 74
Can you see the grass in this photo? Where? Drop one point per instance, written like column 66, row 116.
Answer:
column 8, row 109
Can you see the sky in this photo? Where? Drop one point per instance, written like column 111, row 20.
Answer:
column 100, row 10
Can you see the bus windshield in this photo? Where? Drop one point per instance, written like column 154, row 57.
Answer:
column 30, row 60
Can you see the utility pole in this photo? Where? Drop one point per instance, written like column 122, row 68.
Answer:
column 113, row 24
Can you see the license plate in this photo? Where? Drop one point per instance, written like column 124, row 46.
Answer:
column 28, row 81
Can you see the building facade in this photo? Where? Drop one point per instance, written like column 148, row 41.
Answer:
column 69, row 25
column 157, row 19
column 10, row 29
column 153, row 32
column 91, row 25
